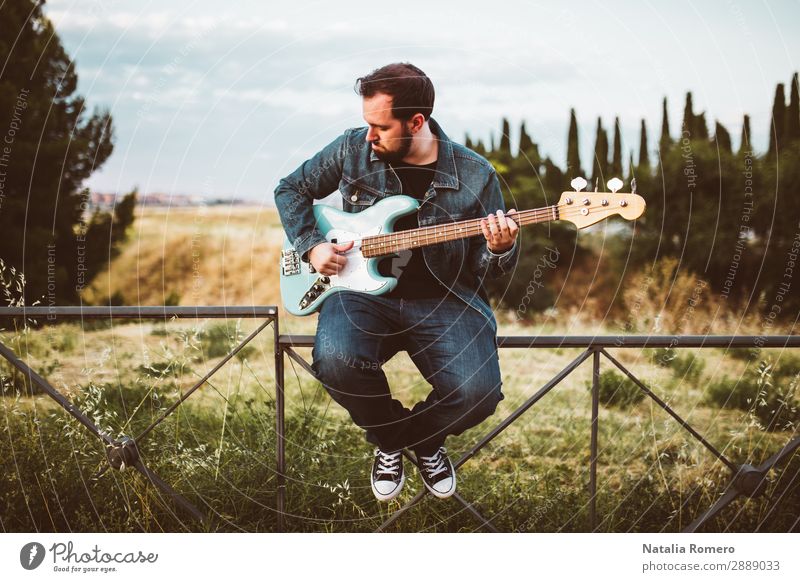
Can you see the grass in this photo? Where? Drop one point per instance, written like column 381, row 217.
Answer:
column 218, row 449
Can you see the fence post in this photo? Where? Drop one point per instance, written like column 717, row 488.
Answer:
column 593, row 444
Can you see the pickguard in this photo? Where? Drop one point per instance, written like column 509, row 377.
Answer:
column 355, row 274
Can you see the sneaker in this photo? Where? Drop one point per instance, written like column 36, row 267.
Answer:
column 387, row 475
column 438, row 473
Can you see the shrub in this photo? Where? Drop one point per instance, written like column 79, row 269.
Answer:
column 770, row 398
column 617, row 390
column 687, row 365
column 745, row 354
column 220, row 339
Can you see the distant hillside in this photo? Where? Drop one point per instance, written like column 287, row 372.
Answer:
column 196, row 256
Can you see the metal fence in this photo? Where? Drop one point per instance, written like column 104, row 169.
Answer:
column 745, row 479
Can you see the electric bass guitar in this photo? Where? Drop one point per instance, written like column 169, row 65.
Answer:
column 303, row 290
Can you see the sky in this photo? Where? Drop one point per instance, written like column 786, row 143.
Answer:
column 223, row 99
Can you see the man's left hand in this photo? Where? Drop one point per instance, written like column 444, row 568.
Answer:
column 500, row 231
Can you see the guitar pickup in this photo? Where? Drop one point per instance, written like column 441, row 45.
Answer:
column 321, row 285
column 290, row 262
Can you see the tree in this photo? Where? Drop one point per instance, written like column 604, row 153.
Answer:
column 528, row 149
column 573, row 152
column 694, row 126
column 778, row 121
column 644, row 156
column 505, row 139
column 723, row 138
column 615, row 169
column 600, row 171
column 744, row 144
column 631, row 167
column 53, row 145
column 665, row 141
column 793, row 113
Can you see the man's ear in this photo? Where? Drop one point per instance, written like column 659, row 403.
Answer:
column 416, row 123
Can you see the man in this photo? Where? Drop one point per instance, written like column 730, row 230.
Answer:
column 439, row 311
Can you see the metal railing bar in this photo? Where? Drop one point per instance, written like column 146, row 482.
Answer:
column 35, row 378
column 614, row 341
column 169, row 491
column 732, row 466
column 727, row 498
column 299, row 359
column 142, row 312
column 280, row 431
column 552, row 383
column 593, row 440
column 486, row 523
column 203, row 380
column 396, row 515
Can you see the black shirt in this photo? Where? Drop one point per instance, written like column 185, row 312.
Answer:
column 415, row 281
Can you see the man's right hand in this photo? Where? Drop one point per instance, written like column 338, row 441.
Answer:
column 327, row 258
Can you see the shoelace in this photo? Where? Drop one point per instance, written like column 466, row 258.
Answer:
column 388, row 463
column 434, row 464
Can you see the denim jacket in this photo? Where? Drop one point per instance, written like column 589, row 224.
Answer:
column 465, row 186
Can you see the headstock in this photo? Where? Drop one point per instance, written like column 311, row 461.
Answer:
column 587, row 208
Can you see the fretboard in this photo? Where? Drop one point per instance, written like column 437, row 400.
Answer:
column 393, row 242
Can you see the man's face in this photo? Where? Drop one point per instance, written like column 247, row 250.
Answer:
column 389, row 136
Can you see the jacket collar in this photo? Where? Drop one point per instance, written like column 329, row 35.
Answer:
column 446, row 174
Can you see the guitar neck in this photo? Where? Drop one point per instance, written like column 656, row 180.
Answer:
column 386, row 244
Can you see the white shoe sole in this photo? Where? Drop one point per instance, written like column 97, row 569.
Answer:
column 439, row 494
column 381, row 497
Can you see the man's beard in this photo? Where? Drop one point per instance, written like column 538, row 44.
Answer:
column 397, row 156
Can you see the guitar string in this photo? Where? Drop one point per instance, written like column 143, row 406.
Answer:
column 397, row 241
column 443, row 230
column 467, row 229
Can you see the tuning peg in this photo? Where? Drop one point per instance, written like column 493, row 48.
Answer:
column 578, row 184
column 614, row 184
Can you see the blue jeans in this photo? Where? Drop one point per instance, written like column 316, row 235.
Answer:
column 451, row 344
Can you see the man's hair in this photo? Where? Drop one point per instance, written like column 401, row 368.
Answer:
column 410, row 89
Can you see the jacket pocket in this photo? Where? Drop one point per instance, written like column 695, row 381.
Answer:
column 356, row 196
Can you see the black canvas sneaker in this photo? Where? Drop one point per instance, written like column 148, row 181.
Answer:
column 438, row 473
column 387, row 475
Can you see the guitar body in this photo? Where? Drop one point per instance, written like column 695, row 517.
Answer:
column 303, row 290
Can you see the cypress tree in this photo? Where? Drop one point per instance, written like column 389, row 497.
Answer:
column 688, row 116
column 793, row 113
column 573, row 153
column 528, row 150
column 615, row 170
column 644, row 155
column 778, row 121
column 631, row 167
column 723, row 138
column 505, row 140
column 694, row 124
column 526, row 144
column 701, row 127
column 665, row 141
column 744, row 144
column 600, row 166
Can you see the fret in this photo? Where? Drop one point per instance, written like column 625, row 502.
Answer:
column 408, row 239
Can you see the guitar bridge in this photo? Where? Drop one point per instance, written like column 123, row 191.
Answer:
column 290, row 262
